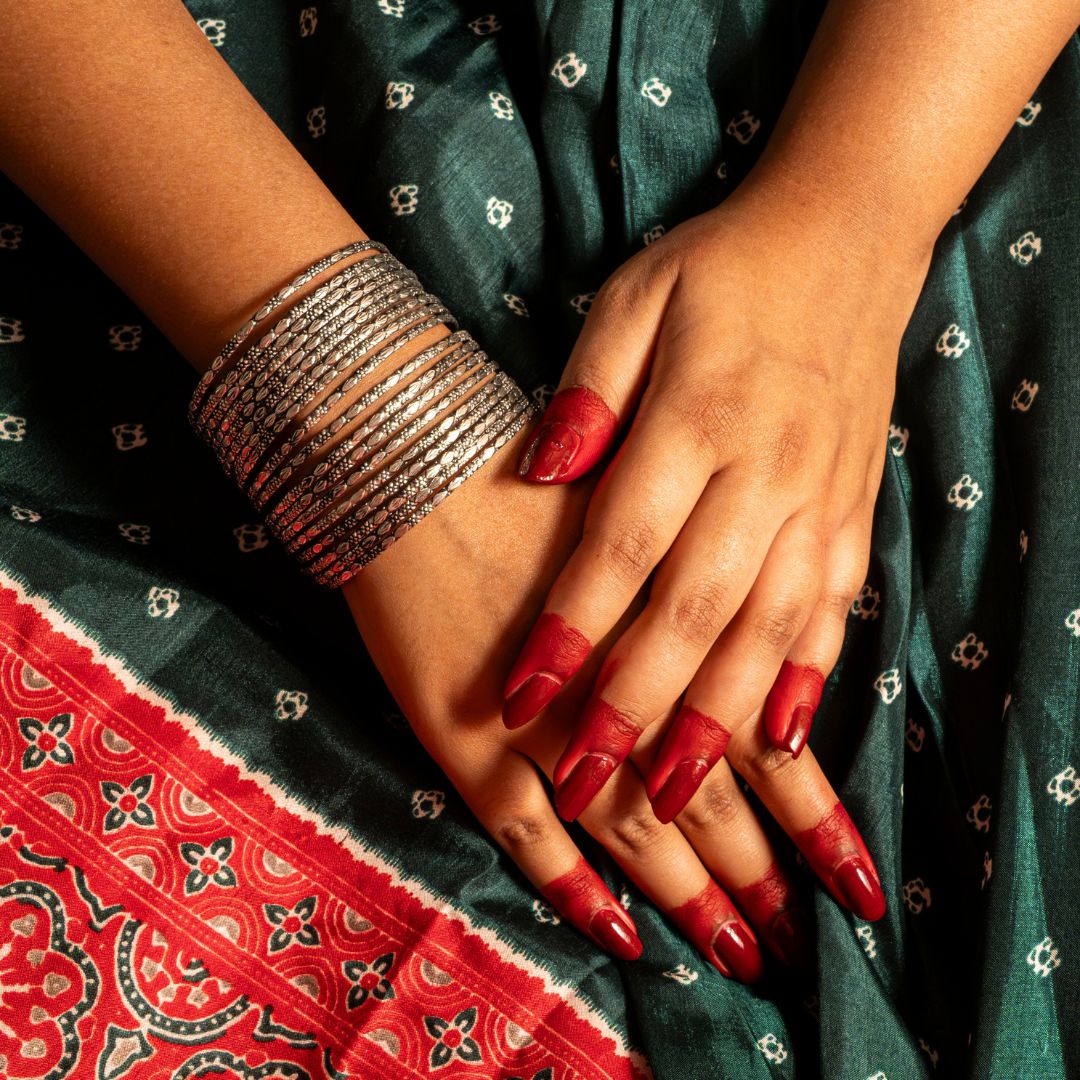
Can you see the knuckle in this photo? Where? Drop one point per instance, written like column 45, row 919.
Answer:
column 777, row 627
column 522, row 831
column 716, row 805
column 712, row 418
column 636, row 833
column 766, row 766
column 628, row 551
column 836, row 601
column 697, row 615
column 782, row 450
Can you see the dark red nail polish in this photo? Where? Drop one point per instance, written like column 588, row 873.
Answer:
column 529, row 698
column 790, row 938
column 551, row 453
column 679, row 788
column 575, row 793
column 860, row 891
column 797, row 687
column 801, row 720
column 736, row 948
column 577, row 429
column 614, row 935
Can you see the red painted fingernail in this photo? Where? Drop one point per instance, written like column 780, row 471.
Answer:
column 614, row 935
column 679, row 788
column 790, row 938
column 529, row 698
column 801, row 720
column 860, row 890
column 576, row 430
column 737, row 950
column 797, row 689
column 589, row 775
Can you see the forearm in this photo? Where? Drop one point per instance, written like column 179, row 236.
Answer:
column 898, row 108
column 157, row 161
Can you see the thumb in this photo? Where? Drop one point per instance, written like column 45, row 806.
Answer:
column 604, row 377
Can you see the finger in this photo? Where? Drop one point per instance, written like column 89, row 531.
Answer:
column 732, row 680
column 794, row 696
column 633, row 517
column 798, row 795
column 604, row 376
column 522, row 822
column 727, row 835
column 661, row 862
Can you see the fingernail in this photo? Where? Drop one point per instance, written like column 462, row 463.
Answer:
column 679, row 788
column 798, row 730
column 589, row 775
column 549, row 455
column 859, row 890
column 737, row 950
column 614, row 935
column 790, row 938
column 529, row 698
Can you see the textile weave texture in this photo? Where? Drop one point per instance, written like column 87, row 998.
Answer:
column 221, row 853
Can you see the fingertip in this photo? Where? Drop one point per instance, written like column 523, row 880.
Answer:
column 530, row 698
column 678, row 789
column 612, row 933
column 575, row 432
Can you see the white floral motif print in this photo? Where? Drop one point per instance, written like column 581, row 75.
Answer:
column 682, row 974
column 1072, row 620
column 516, row 304
column 914, row 735
column 501, row 105
column 129, row 436
column 1043, row 958
column 499, row 212
column 898, row 437
column 613, row 161
column 988, row 869
column 316, row 121
column 878, row 1076
column 251, row 537
column 772, row 1048
column 653, row 234
column 1023, row 544
column 12, row 428
column 888, row 684
column 866, row 935
column 582, row 302
column 1065, row 787
column 399, row 95
column 743, row 127
column 309, row 19
column 979, row 813
column 290, row 704
column 486, row 24
column 125, row 338
column 1024, row 395
column 867, row 604
column 953, row 342
column 11, row 331
column 543, row 394
column 924, row 1046
column 970, row 652
column 1026, row 249
column 22, row 513
column 1028, row 114
column 10, row 235
column 403, row 199
column 916, row 895
column 428, row 804
column 965, row 493
column 545, row 913
column 721, row 171
column 214, row 29
column 568, row 69
column 162, row 603
column 135, row 534
column 396, row 8
column 656, row 91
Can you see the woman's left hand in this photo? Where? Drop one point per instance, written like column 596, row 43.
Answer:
column 759, row 345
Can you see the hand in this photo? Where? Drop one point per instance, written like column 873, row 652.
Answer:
column 759, row 344
column 441, row 612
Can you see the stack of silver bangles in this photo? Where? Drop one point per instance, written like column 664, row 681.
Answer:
column 338, row 474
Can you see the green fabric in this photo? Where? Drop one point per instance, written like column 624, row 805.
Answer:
column 971, row 765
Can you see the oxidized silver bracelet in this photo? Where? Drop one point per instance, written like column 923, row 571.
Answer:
column 340, row 435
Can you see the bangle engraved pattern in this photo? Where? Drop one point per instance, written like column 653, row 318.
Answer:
column 342, row 436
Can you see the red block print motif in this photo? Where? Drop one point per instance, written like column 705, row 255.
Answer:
column 166, row 913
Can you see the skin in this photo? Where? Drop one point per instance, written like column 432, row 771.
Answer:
column 743, row 368
column 125, row 149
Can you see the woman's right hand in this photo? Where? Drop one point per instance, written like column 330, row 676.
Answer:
column 442, row 613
